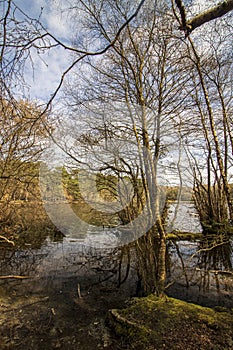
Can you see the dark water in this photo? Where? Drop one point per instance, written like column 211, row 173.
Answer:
column 64, row 302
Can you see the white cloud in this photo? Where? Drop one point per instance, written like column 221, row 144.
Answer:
column 44, row 74
column 56, row 17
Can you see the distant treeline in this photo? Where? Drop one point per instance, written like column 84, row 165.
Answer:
column 20, row 181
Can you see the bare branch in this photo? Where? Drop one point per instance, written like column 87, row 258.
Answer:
column 85, row 54
column 181, row 8
column 14, row 277
column 214, row 12
column 7, row 240
column 5, row 29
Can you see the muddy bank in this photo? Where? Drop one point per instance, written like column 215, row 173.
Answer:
column 63, row 302
column 67, row 314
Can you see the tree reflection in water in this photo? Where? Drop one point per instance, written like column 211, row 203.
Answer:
column 197, row 271
column 202, row 271
column 215, row 263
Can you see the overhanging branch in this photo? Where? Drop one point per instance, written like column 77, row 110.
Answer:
column 206, row 16
column 215, row 12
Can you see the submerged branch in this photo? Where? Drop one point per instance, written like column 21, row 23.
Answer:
column 14, row 277
column 7, row 240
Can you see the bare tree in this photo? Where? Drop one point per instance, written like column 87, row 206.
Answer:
column 137, row 65
column 130, row 99
column 23, row 139
column 211, row 99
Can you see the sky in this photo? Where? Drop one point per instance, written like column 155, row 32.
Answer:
column 47, row 68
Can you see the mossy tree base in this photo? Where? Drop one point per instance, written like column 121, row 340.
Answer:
column 167, row 323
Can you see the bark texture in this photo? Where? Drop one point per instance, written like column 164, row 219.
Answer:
column 214, row 12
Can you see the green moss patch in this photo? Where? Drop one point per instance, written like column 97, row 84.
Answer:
column 184, row 236
column 155, row 323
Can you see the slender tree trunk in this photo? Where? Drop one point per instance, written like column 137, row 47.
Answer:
column 213, row 131
column 161, row 271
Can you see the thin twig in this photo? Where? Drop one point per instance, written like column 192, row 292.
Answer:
column 79, row 291
column 14, row 276
column 7, row 240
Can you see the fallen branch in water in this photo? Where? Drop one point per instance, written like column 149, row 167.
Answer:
column 7, row 240
column 79, row 291
column 207, row 249
column 13, row 276
column 216, row 272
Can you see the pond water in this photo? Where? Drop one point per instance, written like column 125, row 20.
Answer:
column 71, row 284
column 104, row 231
column 183, row 217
